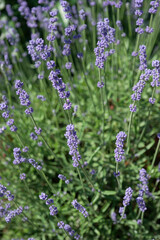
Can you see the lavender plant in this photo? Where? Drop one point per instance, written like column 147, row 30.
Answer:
column 79, row 119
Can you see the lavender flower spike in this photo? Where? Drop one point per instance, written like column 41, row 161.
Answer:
column 119, row 151
column 128, row 196
column 72, row 142
column 80, row 208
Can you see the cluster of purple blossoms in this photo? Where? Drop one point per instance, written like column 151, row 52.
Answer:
column 62, row 177
column 17, row 156
column 143, row 189
column 138, row 4
column 60, row 86
column 6, row 193
column 52, row 26
column 144, row 77
column 139, row 12
column 117, row 4
column 82, row 14
column 100, row 84
column 154, row 6
column 68, row 229
column 106, row 37
column 6, row 115
column 138, row 88
column 18, row 159
column 114, row 217
column 75, row 110
column 68, row 65
column 34, row 164
column 22, row 176
column 119, row 151
column 38, row 51
column 126, row 201
column 72, row 142
column 80, row 208
column 13, row 213
column 41, row 97
column 128, row 196
column 49, row 201
column 4, row 210
column 23, row 96
column 142, row 57
column 121, row 212
column 119, row 25
column 155, row 74
column 66, row 8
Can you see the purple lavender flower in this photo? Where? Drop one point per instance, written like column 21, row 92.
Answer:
column 58, row 84
column 49, row 201
column 68, row 65
column 53, row 210
column 43, row 196
column 134, row 54
column 142, row 57
column 75, row 110
column 139, row 221
column 100, row 84
column 37, row 130
column 148, row 29
column 106, row 37
column 93, row 172
column 143, row 189
column 23, row 96
column 72, row 142
column 25, row 149
column 4, row 192
column 128, row 196
column 139, row 21
column 154, row 6
column 152, row 100
column 60, row 224
column 114, row 217
column 80, row 208
column 10, row 122
column 82, row 14
column 13, row 213
column 116, row 174
column 141, row 204
column 33, row 136
column 23, row 176
column 121, row 212
column 119, row 151
column 62, row 177
column 50, row 64
column 139, row 30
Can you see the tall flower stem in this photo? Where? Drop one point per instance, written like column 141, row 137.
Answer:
column 46, row 143
column 129, row 130
column 90, row 93
column 43, row 174
column 7, row 86
column 123, row 213
column 117, row 176
column 146, row 122
column 103, row 108
column 155, row 154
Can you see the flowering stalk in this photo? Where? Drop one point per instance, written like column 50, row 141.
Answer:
column 103, row 108
column 155, row 154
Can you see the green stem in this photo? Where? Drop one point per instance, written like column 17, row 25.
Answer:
column 123, row 213
column 7, row 85
column 103, row 108
column 155, row 155
column 129, row 130
column 46, row 143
